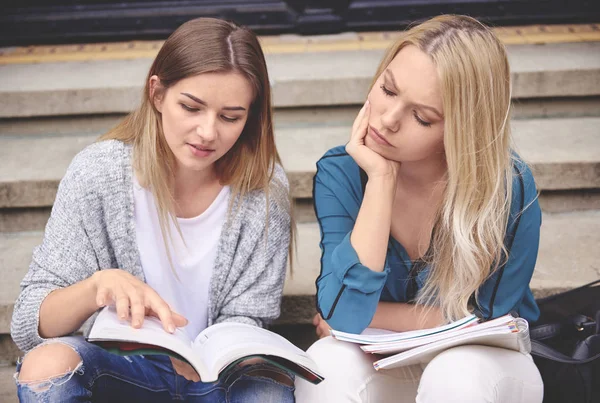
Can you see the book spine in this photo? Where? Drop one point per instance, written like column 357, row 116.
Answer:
column 524, row 339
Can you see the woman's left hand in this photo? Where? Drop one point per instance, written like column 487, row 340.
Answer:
column 322, row 328
column 184, row 369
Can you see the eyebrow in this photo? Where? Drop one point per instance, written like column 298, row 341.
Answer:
column 431, row 108
column 227, row 108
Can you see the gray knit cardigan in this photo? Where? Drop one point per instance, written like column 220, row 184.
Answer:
column 92, row 228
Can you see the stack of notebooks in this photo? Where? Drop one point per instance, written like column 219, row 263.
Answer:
column 420, row 346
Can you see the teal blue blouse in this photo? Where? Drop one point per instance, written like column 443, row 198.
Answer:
column 348, row 292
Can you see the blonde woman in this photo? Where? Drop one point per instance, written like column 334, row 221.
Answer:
column 427, row 215
column 180, row 212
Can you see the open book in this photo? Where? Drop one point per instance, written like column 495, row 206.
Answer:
column 214, row 352
column 420, row 346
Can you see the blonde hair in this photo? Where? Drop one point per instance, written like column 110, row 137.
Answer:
column 467, row 243
column 200, row 46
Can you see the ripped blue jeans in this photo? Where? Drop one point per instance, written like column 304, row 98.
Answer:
column 105, row 377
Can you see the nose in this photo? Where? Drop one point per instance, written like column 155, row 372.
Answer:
column 206, row 128
column 391, row 117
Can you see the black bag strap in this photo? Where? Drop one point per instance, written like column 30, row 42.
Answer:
column 576, row 323
column 571, row 324
column 543, row 351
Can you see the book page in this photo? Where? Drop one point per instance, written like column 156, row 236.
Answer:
column 221, row 344
column 504, row 322
column 108, row 327
column 373, row 331
column 500, row 337
column 383, row 337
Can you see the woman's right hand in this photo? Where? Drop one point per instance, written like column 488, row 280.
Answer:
column 371, row 162
column 134, row 298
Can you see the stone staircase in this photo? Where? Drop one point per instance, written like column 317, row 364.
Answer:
column 50, row 111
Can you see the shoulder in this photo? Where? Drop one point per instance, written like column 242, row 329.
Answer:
column 279, row 182
column 279, row 193
column 338, row 172
column 101, row 160
column 523, row 185
column 278, row 197
column 525, row 206
column 99, row 164
column 335, row 166
column 336, row 159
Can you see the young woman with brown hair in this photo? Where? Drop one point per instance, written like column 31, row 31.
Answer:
column 180, row 212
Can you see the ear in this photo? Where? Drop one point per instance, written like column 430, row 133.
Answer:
column 155, row 97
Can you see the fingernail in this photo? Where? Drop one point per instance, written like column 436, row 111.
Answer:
column 171, row 328
column 136, row 323
column 367, row 103
column 100, row 302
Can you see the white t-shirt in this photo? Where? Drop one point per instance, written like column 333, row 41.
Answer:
column 193, row 261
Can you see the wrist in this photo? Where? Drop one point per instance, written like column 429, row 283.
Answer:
column 93, row 284
column 384, row 184
column 384, row 177
column 93, row 280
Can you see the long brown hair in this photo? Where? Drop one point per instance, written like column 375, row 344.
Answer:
column 200, row 46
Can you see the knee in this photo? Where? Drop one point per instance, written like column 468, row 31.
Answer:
column 341, row 363
column 48, row 361
column 452, row 378
column 335, row 353
column 480, row 374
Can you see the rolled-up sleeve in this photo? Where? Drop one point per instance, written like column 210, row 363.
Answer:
column 347, row 291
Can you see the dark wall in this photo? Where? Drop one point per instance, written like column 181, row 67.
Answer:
column 24, row 22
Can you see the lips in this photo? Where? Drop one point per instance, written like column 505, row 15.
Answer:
column 201, row 148
column 200, row 151
column 378, row 137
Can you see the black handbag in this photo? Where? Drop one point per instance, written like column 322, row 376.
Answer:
column 565, row 345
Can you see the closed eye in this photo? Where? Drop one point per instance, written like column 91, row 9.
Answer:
column 228, row 119
column 189, row 108
column 386, row 91
column 225, row 118
column 421, row 121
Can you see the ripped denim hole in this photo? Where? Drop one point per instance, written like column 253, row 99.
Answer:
column 45, row 384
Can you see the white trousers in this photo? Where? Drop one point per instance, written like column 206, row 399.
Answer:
column 465, row 374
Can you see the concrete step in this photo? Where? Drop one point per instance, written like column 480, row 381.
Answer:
column 298, row 79
column 8, row 390
column 568, row 257
column 9, row 353
column 532, row 108
column 564, row 154
column 528, row 108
